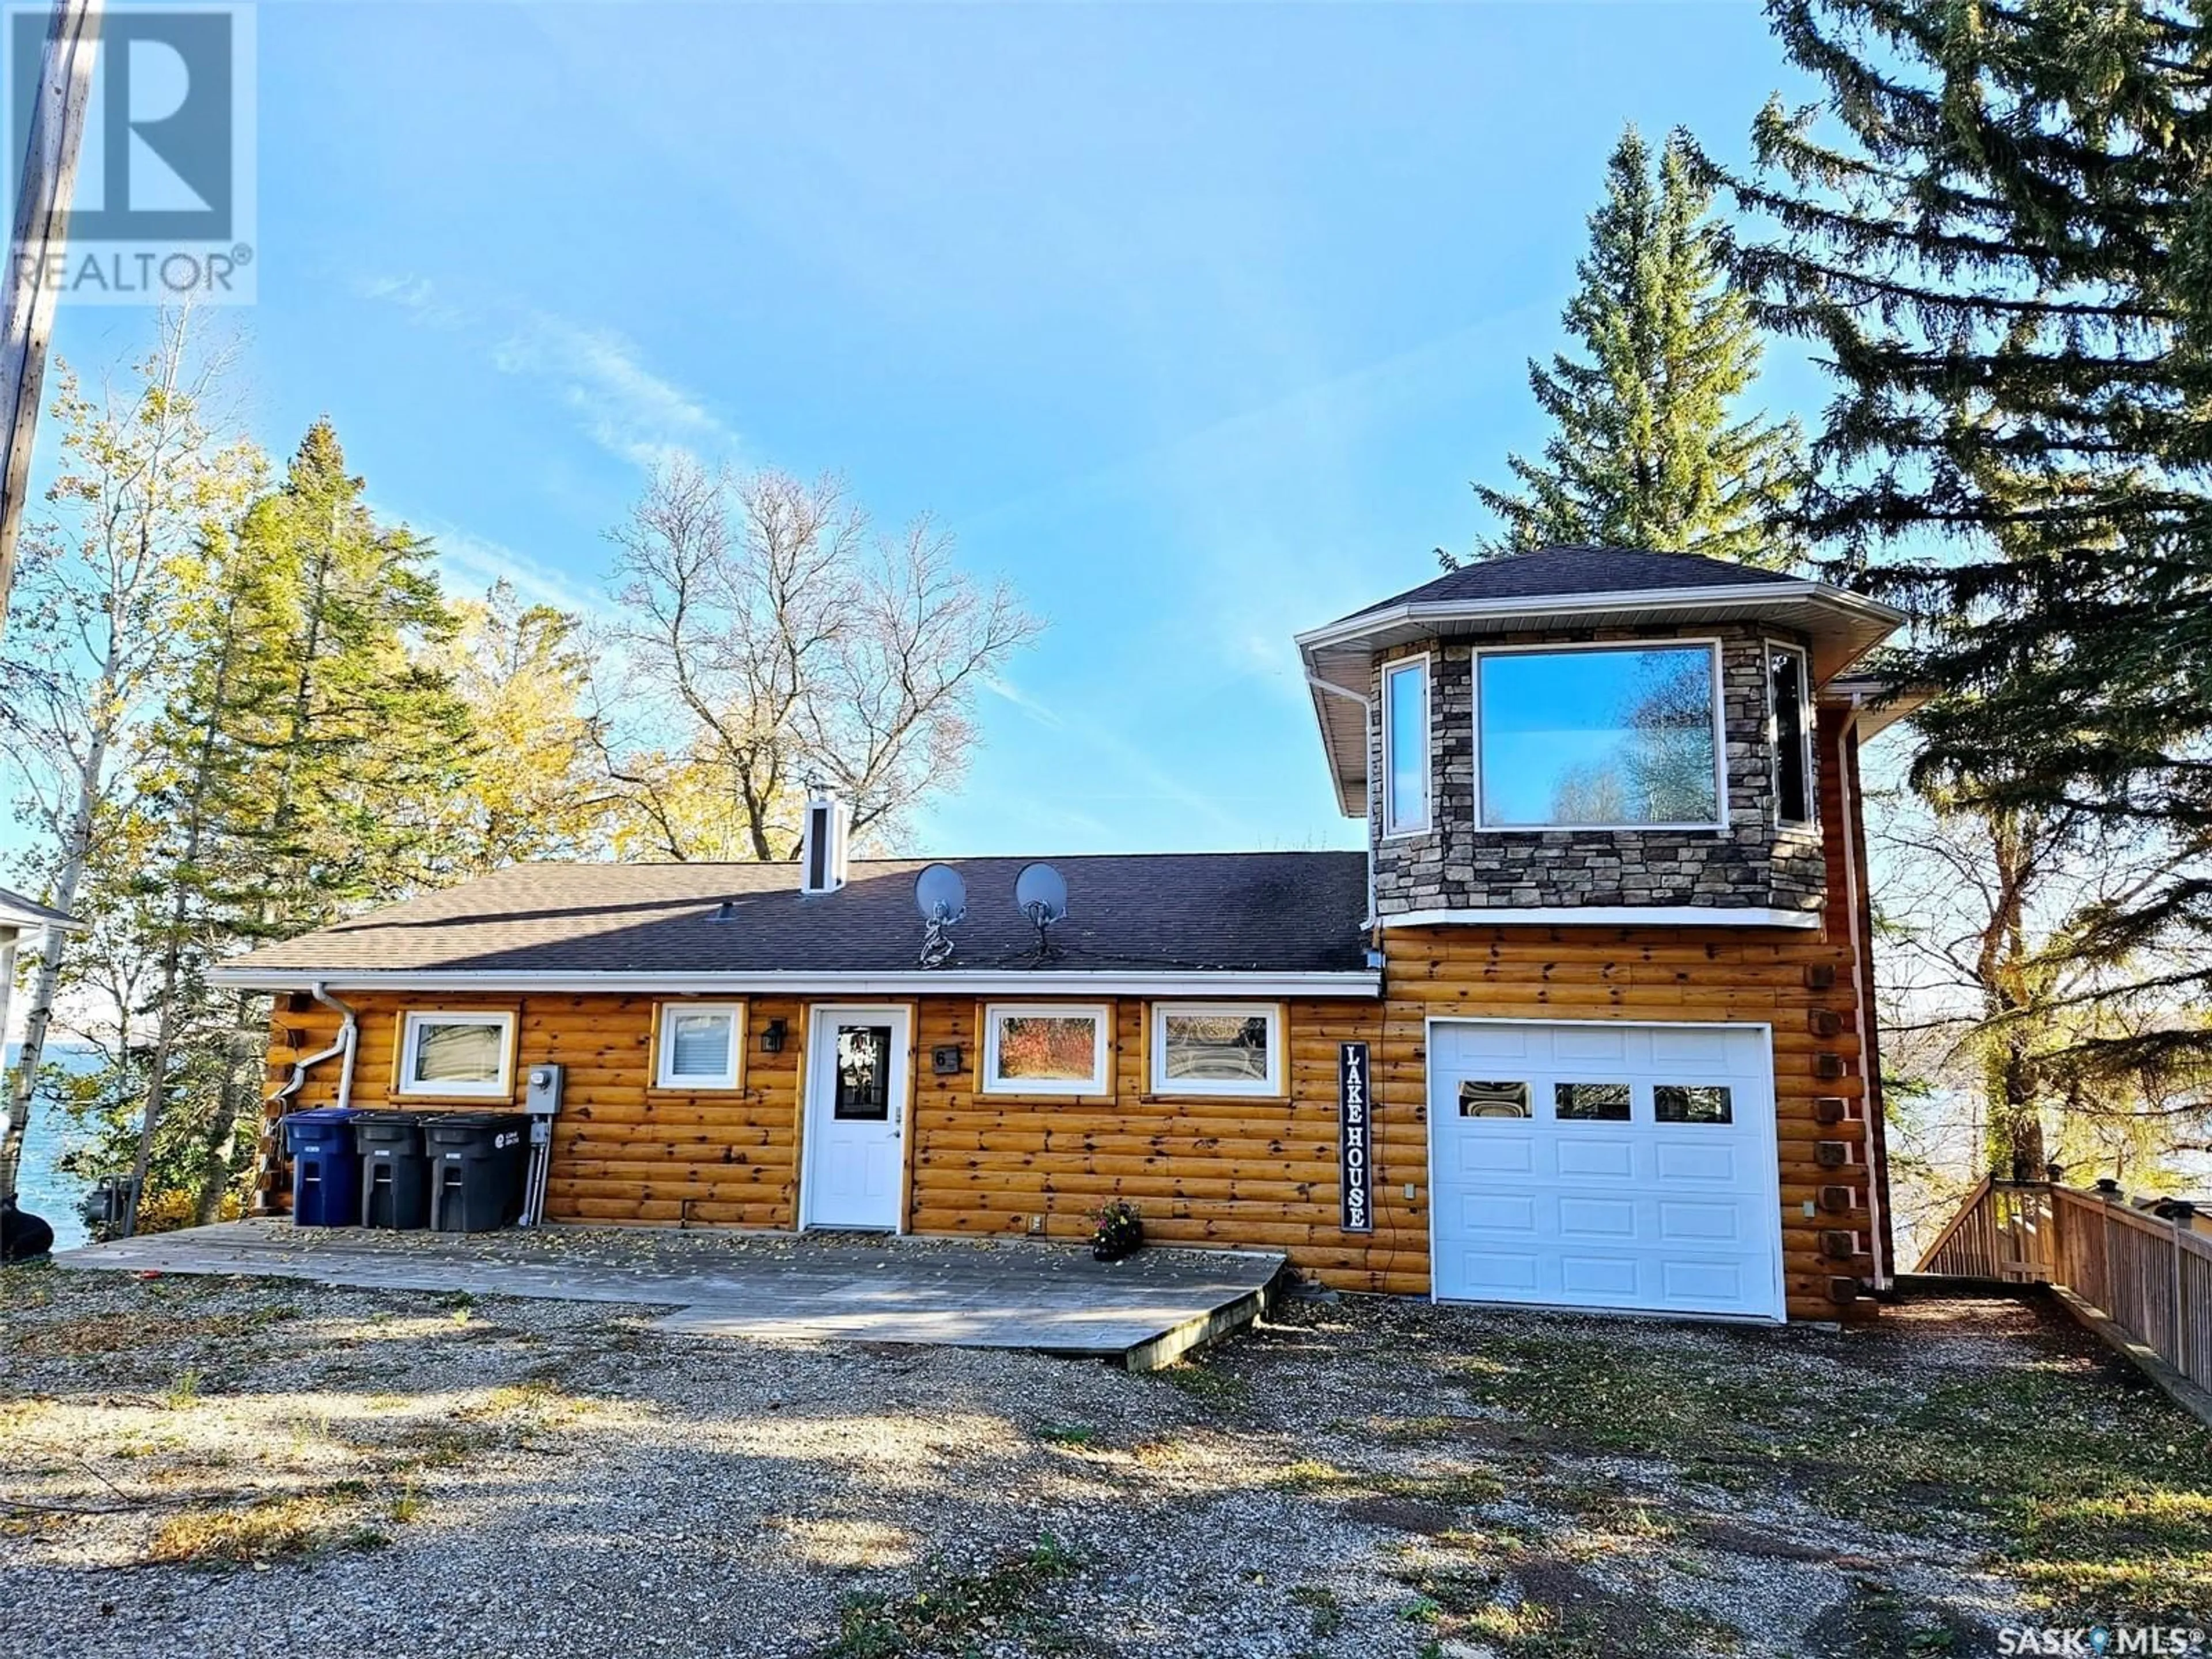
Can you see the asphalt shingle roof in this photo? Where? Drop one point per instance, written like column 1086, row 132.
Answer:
column 1256, row 912
column 1549, row 572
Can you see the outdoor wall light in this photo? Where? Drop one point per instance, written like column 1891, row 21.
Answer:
column 772, row 1036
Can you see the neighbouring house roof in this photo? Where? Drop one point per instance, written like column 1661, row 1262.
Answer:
column 1134, row 921
column 1568, row 588
column 18, row 912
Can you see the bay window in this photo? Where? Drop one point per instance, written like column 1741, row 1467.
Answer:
column 1599, row 737
column 1789, row 728
column 1405, row 747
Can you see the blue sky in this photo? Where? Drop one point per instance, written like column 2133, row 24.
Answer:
column 1194, row 322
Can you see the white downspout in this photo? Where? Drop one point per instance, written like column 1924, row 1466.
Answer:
column 1863, row 971
column 349, row 1035
column 1366, row 732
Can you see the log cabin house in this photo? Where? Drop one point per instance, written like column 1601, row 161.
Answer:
column 1588, row 1024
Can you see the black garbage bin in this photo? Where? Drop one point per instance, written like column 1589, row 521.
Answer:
column 395, row 1179
column 475, row 1169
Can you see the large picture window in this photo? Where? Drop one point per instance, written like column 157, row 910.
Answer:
column 457, row 1054
column 1047, row 1049
column 1405, row 747
column 700, row 1045
column 1217, row 1049
column 1621, row 737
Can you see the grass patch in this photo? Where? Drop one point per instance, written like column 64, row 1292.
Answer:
column 2097, row 1492
column 1456, row 1488
column 952, row 1614
column 279, row 1529
column 1067, row 1434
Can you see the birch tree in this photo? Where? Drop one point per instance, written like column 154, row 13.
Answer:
column 148, row 465
column 768, row 636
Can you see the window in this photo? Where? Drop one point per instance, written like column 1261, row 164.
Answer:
column 1493, row 1100
column 1597, row 1102
column 864, row 1074
column 457, row 1054
column 1605, row 737
column 1045, row 1048
column 1405, row 747
column 1791, row 734
column 1695, row 1102
column 1217, row 1049
column 700, row 1045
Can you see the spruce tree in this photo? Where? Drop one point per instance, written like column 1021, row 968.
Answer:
column 303, row 769
column 1650, row 451
column 1996, row 230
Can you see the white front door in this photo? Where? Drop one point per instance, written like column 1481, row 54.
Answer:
column 858, row 1077
column 1605, row 1165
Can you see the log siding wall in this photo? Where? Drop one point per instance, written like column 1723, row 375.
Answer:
column 1220, row 1172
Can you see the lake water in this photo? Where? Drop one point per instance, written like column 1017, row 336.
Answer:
column 44, row 1188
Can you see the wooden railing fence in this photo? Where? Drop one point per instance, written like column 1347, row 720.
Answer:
column 2151, row 1277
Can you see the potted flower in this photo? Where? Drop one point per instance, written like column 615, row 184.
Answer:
column 1116, row 1229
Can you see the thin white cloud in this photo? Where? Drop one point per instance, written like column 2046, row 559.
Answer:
column 472, row 564
column 1006, row 689
column 595, row 374
column 416, row 295
column 623, row 406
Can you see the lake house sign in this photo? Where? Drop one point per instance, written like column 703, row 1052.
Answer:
column 1356, row 1129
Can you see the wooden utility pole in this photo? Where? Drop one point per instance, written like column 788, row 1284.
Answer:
column 36, row 253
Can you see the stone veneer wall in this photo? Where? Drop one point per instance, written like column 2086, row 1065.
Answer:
column 1751, row 864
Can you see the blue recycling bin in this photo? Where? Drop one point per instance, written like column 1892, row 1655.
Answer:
column 325, row 1168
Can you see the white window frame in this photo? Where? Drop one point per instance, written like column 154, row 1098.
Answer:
column 664, row 1075
column 1101, row 1080
column 1267, row 1088
column 411, row 1041
column 1392, row 829
column 1805, row 722
column 1720, row 732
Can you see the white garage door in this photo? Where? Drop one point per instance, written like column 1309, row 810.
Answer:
column 1605, row 1166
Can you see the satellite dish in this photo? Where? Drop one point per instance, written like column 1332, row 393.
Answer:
column 1041, row 894
column 942, row 898
column 940, row 894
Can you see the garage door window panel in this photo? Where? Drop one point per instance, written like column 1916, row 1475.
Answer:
column 1591, row 1103
column 1693, row 1103
column 1488, row 1099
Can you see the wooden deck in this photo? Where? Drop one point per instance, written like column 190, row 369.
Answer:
column 1143, row 1313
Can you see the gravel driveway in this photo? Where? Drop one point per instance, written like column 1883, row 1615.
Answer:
column 230, row 1466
